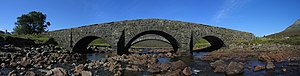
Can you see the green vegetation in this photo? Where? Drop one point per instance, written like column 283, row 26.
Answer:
column 99, row 42
column 290, row 36
column 37, row 38
column 266, row 40
column 291, row 31
column 202, row 43
column 32, row 23
column 152, row 44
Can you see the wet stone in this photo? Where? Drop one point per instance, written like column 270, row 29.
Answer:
column 86, row 73
column 258, row 68
column 270, row 65
column 187, row 71
column 235, row 68
column 217, row 63
column 178, row 65
column 57, row 72
column 30, row 73
column 12, row 73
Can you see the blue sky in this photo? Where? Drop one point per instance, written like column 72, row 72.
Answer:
column 260, row 17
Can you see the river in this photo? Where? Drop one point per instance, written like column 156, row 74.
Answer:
column 200, row 68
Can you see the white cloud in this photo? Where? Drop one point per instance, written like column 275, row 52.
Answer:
column 228, row 7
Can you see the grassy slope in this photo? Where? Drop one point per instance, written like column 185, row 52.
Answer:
column 290, row 35
column 99, row 42
column 202, row 43
column 37, row 38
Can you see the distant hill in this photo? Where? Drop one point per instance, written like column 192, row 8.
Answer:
column 291, row 31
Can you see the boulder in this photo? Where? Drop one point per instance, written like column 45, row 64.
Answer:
column 220, row 68
column 178, row 65
column 152, row 60
column 79, row 68
column 2, row 65
column 57, row 72
column 165, row 66
column 49, row 67
column 187, row 71
column 12, row 73
column 119, row 73
column 86, row 73
column 258, row 68
column 30, row 73
column 235, row 68
column 217, row 63
column 270, row 65
column 25, row 62
column 13, row 64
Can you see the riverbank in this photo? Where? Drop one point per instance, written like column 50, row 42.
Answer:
column 262, row 59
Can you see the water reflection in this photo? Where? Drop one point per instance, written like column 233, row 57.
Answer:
column 163, row 60
column 95, row 56
column 199, row 54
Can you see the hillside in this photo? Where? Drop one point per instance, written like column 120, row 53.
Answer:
column 291, row 31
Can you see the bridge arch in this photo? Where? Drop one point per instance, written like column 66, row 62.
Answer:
column 215, row 42
column 81, row 45
column 165, row 35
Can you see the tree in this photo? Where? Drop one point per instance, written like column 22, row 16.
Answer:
column 32, row 23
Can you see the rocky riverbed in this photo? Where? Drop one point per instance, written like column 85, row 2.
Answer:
column 51, row 60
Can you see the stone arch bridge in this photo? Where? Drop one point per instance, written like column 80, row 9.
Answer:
column 122, row 34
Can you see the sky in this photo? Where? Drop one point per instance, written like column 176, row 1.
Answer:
column 260, row 17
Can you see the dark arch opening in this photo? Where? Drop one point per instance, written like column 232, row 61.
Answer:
column 215, row 42
column 82, row 44
column 167, row 36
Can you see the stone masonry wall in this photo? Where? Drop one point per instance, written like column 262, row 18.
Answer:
column 181, row 31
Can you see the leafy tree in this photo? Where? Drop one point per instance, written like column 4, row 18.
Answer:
column 32, row 23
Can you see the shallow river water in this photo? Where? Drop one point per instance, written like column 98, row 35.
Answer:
column 200, row 68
